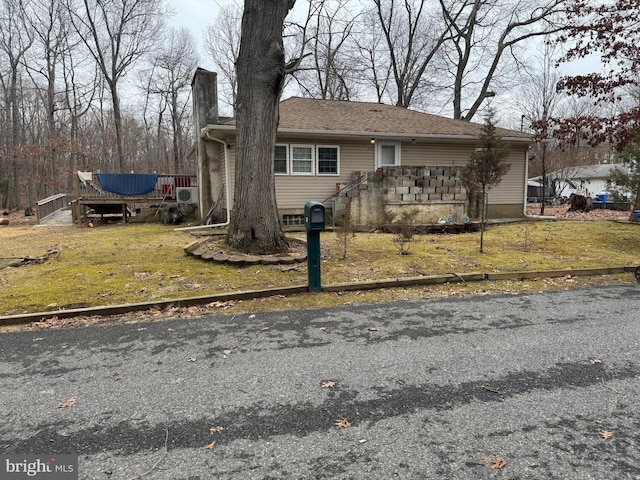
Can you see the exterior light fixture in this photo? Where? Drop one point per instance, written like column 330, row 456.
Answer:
column 373, row 141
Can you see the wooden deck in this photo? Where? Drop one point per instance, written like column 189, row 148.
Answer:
column 89, row 195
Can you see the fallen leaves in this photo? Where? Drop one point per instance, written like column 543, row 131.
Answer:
column 562, row 211
column 212, row 430
column 115, row 377
column 606, row 434
column 496, row 464
column 342, row 423
column 595, row 361
column 328, row 384
column 67, row 403
column 223, row 305
column 194, row 310
column 192, row 359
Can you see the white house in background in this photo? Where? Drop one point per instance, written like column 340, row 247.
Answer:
column 588, row 180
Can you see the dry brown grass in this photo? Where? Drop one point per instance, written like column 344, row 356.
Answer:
column 119, row 264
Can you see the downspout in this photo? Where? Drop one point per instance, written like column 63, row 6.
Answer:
column 226, row 188
column 526, row 181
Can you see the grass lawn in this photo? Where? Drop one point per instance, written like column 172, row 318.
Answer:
column 117, row 264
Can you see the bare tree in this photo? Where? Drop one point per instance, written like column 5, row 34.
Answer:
column 487, row 34
column 117, row 34
column 51, row 27
column 222, row 44
column 330, row 70
column 16, row 37
column 373, row 57
column 173, row 67
column 261, row 69
column 80, row 89
column 540, row 99
column 402, row 49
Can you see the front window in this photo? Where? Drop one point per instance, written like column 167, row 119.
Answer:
column 328, row 160
column 301, row 159
column 280, row 160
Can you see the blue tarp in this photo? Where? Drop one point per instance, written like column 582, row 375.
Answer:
column 128, row 183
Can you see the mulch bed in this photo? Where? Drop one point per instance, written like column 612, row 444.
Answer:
column 214, row 249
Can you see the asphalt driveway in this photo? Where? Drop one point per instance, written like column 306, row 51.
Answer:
column 529, row 386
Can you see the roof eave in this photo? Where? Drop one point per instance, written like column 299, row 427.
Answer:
column 360, row 134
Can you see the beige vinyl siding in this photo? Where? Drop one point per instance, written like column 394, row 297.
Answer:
column 232, row 174
column 223, row 173
column 511, row 188
column 432, row 155
column 293, row 191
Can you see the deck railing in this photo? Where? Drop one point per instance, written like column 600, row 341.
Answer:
column 166, row 186
column 49, row 205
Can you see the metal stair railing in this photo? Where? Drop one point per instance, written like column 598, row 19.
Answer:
column 347, row 188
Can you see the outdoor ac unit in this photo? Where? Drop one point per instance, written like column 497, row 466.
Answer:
column 187, row 194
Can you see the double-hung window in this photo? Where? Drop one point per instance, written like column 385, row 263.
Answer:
column 302, row 160
column 328, row 160
column 306, row 159
column 281, row 160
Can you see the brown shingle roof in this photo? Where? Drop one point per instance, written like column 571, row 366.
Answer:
column 334, row 116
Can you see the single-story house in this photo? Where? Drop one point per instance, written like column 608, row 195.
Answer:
column 370, row 159
column 588, row 180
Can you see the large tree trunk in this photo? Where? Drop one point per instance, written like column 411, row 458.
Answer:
column 255, row 225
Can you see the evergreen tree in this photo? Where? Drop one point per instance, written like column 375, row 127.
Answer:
column 485, row 168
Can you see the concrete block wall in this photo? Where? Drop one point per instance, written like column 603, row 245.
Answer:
column 436, row 192
column 422, row 184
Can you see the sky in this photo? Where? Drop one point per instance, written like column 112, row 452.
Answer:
column 195, row 15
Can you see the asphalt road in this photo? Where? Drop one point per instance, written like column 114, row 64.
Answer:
column 443, row 389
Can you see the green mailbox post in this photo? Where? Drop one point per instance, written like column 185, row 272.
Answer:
column 314, row 219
